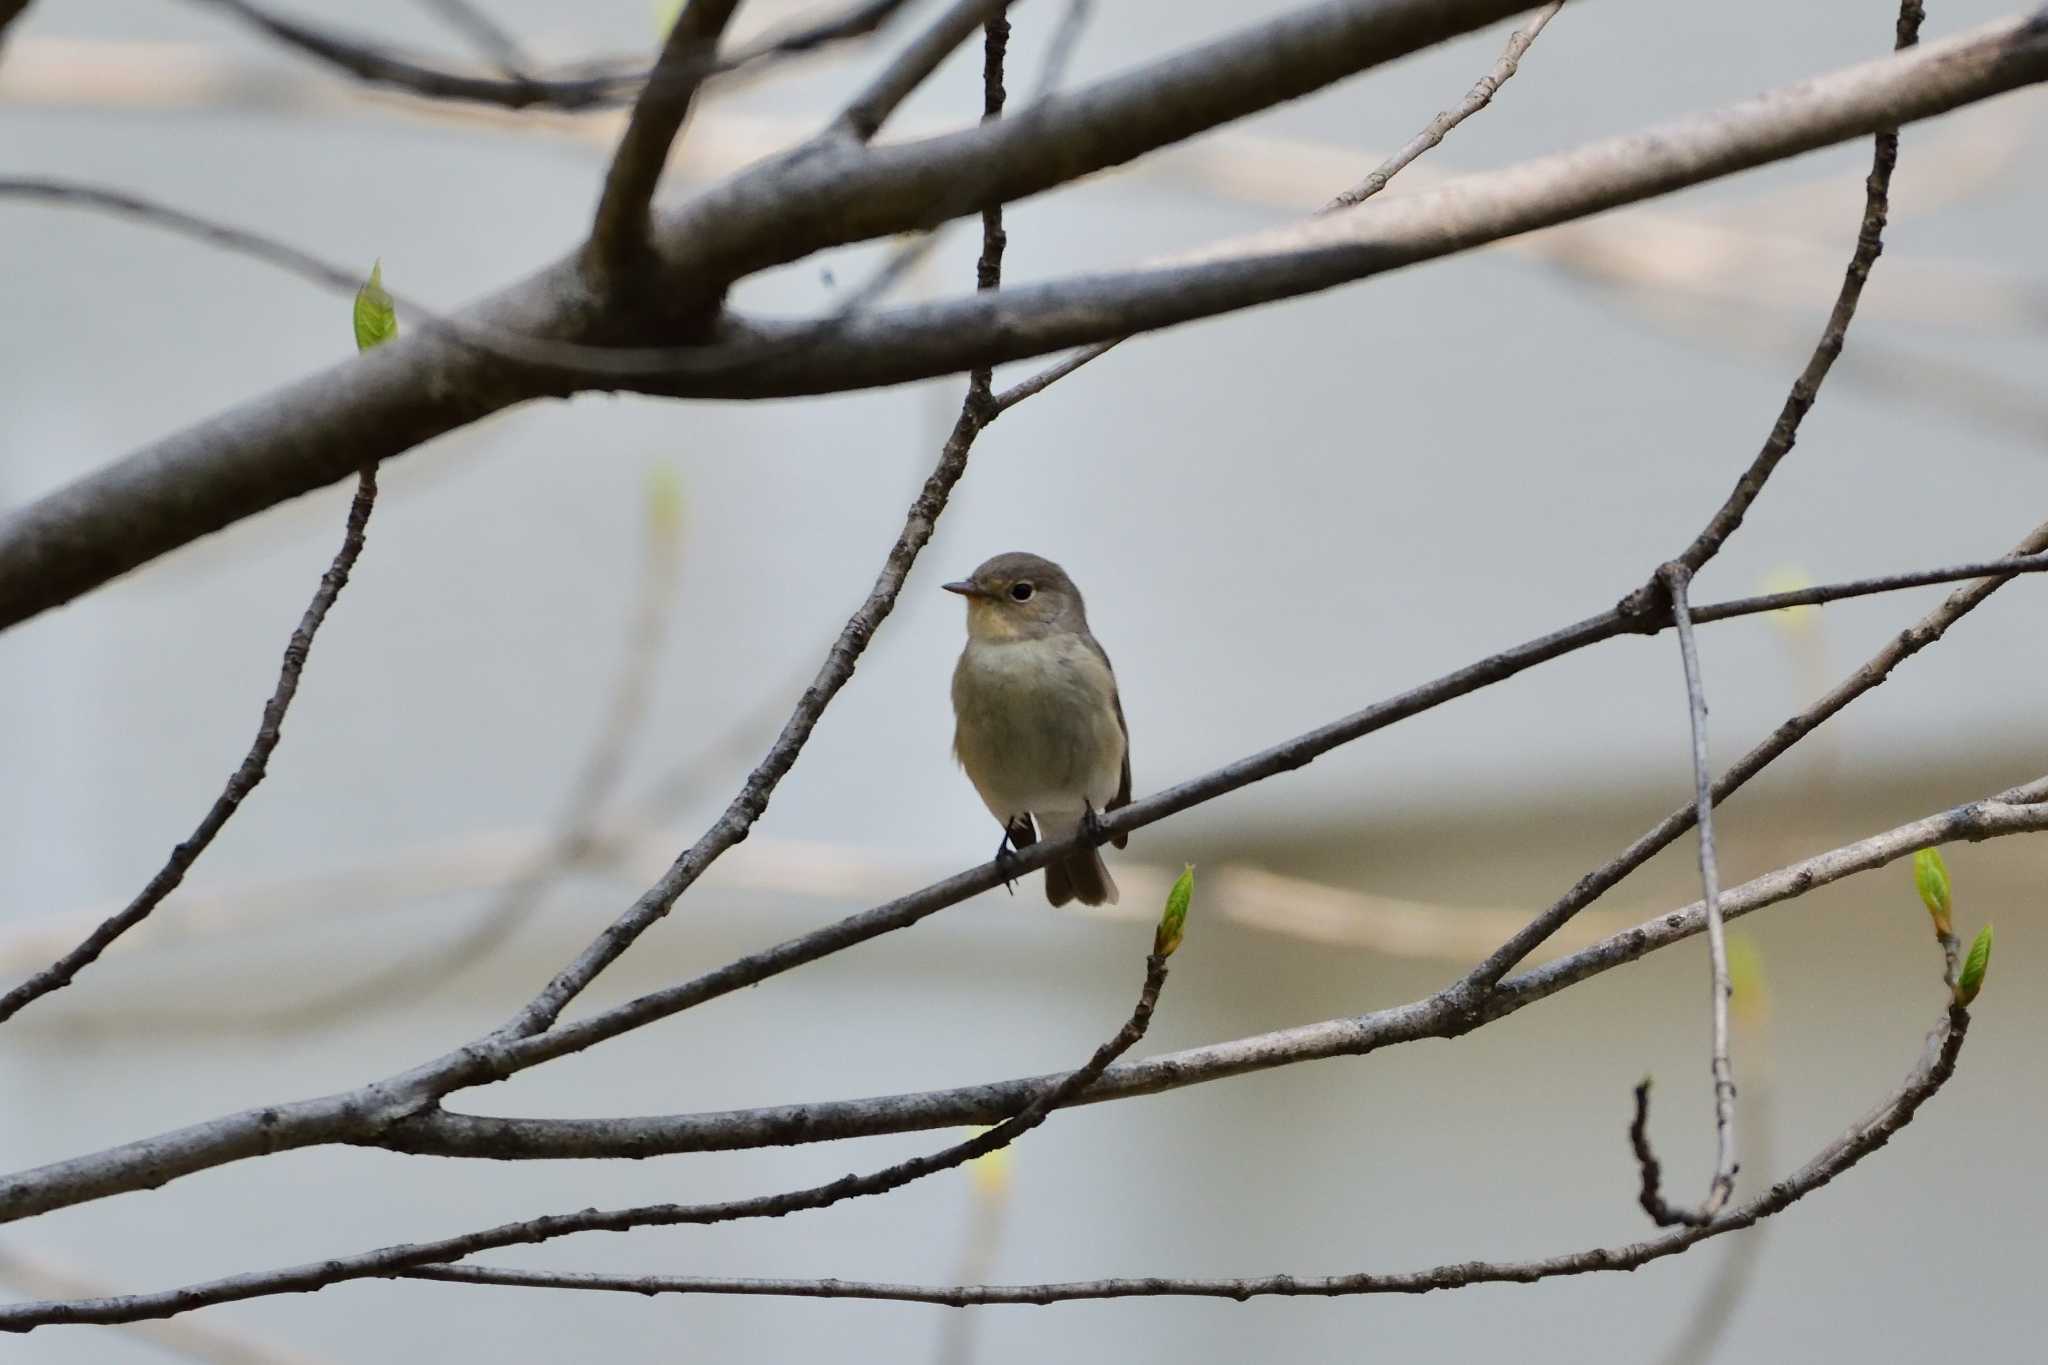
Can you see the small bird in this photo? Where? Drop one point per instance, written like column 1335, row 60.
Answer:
column 1037, row 721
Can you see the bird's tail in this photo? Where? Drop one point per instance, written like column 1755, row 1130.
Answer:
column 1080, row 876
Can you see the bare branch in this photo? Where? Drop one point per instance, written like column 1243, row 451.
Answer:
column 251, row 771
column 578, row 828
column 26, row 1317
column 1477, row 98
column 1874, row 671
column 395, row 1113
column 1446, row 1014
column 1677, row 580
column 912, row 67
column 321, row 428
column 378, row 65
column 484, row 32
column 618, row 238
column 1806, row 388
column 1874, row 1130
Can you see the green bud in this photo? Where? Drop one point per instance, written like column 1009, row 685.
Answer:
column 1972, row 979
column 375, row 316
column 665, row 502
column 1171, row 924
column 1930, row 875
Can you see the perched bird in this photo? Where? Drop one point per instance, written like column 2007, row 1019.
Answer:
column 1037, row 722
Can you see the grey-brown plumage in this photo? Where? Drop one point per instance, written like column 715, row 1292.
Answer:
column 1038, row 724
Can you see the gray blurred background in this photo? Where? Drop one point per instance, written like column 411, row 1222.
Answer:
column 1278, row 517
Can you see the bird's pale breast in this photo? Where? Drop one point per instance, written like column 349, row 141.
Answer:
column 1036, row 725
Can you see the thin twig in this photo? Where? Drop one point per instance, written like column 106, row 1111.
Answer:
column 907, row 910
column 389, row 1113
column 1477, row 98
column 255, row 764
column 1806, row 388
column 387, row 1261
column 376, row 64
column 745, row 808
column 1937, row 1064
column 1438, row 128
column 618, row 236
column 1677, row 584
column 864, row 116
column 2032, row 549
column 1441, row 1015
column 193, row 1340
column 583, row 87
column 578, row 827
column 492, row 40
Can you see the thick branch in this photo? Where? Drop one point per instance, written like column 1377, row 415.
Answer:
column 321, row 429
column 618, row 237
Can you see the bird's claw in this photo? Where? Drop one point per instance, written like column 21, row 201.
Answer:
column 1006, row 858
column 1091, row 826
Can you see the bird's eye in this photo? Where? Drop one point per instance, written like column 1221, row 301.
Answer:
column 1021, row 591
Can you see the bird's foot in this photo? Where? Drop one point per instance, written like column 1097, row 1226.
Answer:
column 1006, row 858
column 1091, row 825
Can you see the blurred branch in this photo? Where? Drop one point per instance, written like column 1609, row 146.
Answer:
column 388, row 1261
column 254, row 766
column 861, row 119
column 485, row 34
column 1936, row 1065
column 10, row 10
column 618, row 238
column 592, row 86
column 579, row 827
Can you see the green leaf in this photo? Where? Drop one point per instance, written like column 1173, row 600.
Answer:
column 1174, row 921
column 1972, row 979
column 1930, row 875
column 375, row 317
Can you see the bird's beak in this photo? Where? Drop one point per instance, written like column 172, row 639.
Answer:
column 965, row 587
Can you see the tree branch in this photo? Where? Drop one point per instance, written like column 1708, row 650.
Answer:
column 1445, row 1014
column 251, row 771
column 1438, row 128
column 1806, row 388
column 1677, row 581
column 1874, row 671
column 911, row 68
column 319, row 429
column 1874, row 1130
column 618, row 237
column 395, row 1113
column 316, row 1275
